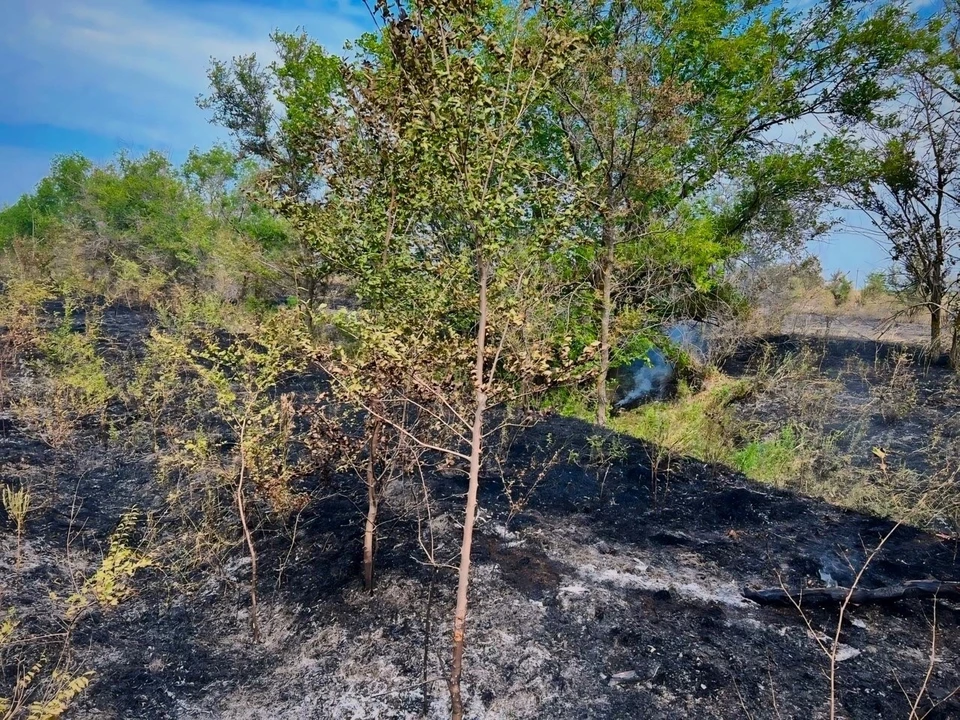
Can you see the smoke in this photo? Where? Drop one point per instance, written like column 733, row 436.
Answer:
column 648, row 376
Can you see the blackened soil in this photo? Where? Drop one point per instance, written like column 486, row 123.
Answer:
column 595, row 601
column 861, row 393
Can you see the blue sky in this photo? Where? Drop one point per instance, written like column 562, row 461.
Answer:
column 96, row 76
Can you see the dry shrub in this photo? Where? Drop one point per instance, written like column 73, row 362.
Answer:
column 66, row 384
column 896, row 395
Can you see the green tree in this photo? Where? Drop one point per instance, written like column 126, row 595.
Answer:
column 675, row 99
column 305, row 81
column 37, row 215
column 840, row 287
column 877, row 285
column 909, row 176
column 436, row 206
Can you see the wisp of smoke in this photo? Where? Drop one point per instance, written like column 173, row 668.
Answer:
column 648, row 376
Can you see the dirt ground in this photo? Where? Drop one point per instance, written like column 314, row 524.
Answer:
column 868, row 324
column 595, row 602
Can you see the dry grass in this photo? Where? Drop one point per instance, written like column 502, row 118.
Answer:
column 794, row 424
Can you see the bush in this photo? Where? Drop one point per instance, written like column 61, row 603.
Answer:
column 840, row 287
column 876, row 286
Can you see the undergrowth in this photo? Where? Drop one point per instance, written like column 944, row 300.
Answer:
column 780, row 424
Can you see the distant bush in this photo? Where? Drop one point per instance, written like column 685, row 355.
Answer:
column 876, row 286
column 840, row 287
column 137, row 227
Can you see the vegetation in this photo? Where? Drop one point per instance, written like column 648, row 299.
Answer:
column 908, row 181
column 876, row 286
column 484, row 210
column 840, row 287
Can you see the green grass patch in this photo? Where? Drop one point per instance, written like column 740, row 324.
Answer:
column 702, row 425
column 699, row 425
column 774, row 460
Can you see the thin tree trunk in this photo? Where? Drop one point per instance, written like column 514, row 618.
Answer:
column 606, row 282
column 936, row 324
column 476, row 438
column 373, row 502
column 426, row 643
column 248, row 537
column 955, row 342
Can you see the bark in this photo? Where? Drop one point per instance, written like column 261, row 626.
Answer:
column 606, row 282
column 816, row 597
column 955, row 342
column 248, row 537
column 476, row 441
column 373, row 503
column 936, row 326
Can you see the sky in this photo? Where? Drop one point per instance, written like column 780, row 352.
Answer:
column 98, row 76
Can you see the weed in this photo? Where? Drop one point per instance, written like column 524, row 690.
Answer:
column 17, row 504
column 897, row 396
column 110, row 583
column 35, row 693
column 69, row 383
column 605, row 451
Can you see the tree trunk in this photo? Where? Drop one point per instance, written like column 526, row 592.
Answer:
column 819, row 597
column 955, row 342
column 476, row 439
column 373, row 502
column 248, row 536
column 606, row 283
column 936, row 325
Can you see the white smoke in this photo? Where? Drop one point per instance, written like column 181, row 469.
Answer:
column 648, row 376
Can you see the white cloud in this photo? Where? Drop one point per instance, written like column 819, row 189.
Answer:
column 131, row 69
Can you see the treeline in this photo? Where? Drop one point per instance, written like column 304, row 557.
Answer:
column 514, row 196
column 137, row 227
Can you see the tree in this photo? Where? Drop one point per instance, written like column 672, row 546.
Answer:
column 910, row 183
column 244, row 97
column 447, row 100
column 449, row 226
column 36, row 214
column 877, row 285
column 675, row 99
column 840, row 287
column 621, row 126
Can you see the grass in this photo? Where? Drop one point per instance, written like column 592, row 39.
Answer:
column 775, row 460
column 702, row 425
column 696, row 425
column 779, row 425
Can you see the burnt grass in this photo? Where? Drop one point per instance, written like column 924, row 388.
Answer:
column 601, row 599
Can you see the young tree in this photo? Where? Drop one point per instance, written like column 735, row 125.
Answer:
column 910, row 187
column 448, row 223
column 448, row 100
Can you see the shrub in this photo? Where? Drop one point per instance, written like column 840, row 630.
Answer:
column 877, row 286
column 840, row 287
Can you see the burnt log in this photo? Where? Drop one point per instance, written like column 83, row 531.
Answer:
column 819, row 597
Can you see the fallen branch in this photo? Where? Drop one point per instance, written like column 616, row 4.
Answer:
column 858, row 596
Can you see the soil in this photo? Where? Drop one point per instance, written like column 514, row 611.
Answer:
column 862, row 394
column 596, row 601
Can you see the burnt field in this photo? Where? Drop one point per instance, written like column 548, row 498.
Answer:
column 600, row 589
